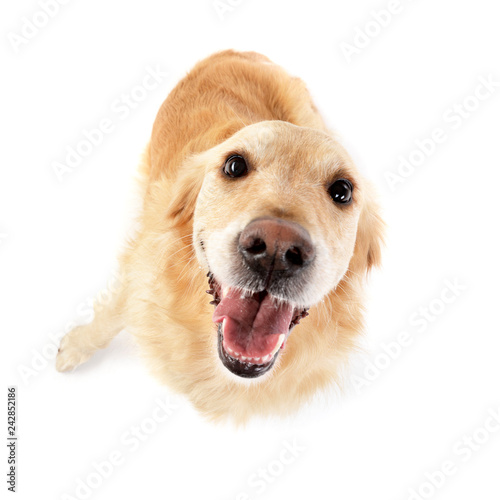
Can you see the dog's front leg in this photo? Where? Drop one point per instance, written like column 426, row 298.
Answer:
column 79, row 344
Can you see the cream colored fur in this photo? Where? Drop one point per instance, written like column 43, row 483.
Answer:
column 228, row 102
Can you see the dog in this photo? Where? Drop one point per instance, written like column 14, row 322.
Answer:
column 249, row 197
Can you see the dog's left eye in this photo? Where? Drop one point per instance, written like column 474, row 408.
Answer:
column 341, row 191
column 235, row 166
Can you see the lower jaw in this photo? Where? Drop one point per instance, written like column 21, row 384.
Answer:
column 240, row 368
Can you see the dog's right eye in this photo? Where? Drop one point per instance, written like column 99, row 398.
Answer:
column 235, row 166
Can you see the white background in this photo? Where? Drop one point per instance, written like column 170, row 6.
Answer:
column 60, row 239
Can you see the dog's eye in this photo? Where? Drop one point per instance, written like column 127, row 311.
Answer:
column 341, row 191
column 235, row 166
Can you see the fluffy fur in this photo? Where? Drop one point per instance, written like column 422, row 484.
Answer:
column 228, row 102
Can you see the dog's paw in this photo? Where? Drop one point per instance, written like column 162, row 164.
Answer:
column 70, row 355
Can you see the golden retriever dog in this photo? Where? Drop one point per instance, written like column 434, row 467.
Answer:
column 247, row 193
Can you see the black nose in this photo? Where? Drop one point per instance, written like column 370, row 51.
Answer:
column 271, row 243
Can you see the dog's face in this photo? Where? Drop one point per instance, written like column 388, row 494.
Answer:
column 275, row 223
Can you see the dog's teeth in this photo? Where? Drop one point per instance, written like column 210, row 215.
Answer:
column 255, row 360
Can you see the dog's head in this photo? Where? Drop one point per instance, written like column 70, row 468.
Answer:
column 279, row 215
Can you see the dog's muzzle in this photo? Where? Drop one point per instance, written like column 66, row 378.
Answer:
column 254, row 320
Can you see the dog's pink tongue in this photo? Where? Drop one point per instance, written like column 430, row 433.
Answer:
column 252, row 327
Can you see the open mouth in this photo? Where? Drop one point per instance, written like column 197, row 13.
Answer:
column 252, row 327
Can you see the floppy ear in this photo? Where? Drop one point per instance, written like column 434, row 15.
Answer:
column 369, row 237
column 184, row 193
